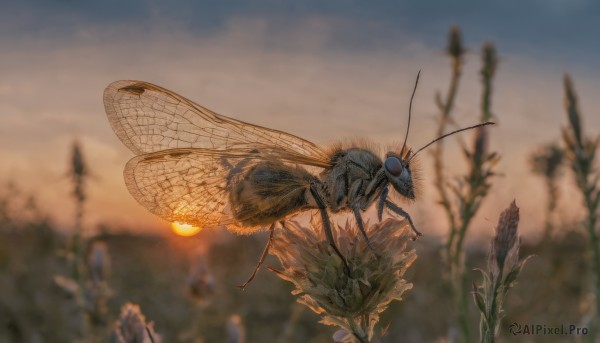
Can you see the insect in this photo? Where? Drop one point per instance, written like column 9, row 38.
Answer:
column 198, row 167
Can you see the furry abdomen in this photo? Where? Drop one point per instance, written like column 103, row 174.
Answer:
column 268, row 191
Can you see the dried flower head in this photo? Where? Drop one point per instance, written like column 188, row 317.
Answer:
column 352, row 301
column 504, row 251
column 580, row 150
column 455, row 46
column 490, row 59
column 547, row 160
column 78, row 170
column 200, row 282
column 98, row 261
column 504, row 267
column 236, row 333
column 132, row 327
column 574, row 134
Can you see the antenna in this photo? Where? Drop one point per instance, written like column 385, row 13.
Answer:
column 450, row 134
column 409, row 111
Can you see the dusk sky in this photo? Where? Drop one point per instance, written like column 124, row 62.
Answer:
column 323, row 70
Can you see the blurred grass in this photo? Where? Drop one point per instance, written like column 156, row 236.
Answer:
column 152, row 272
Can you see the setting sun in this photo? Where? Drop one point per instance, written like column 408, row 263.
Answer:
column 184, row 229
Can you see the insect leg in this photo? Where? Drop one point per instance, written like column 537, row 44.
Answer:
column 394, row 208
column 327, row 225
column 381, row 203
column 262, row 258
column 361, row 227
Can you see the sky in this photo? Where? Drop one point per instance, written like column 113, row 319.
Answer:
column 321, row 70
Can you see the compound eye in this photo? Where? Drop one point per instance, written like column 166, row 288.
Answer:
column 393, row 166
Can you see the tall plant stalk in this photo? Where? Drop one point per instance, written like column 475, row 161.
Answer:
column 470, row 189
column 87, row 282
column 503, row 269
column 455, row 51
column 78, row 173
column 581, row 152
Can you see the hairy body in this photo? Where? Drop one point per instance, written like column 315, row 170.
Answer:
column 269, row 191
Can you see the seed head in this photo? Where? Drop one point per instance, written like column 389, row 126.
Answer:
column 78, row 171
column 455, row 46
column 78, row 168
column 504, row 268
column 200, row 282
column 236, row 333
column 132, row 327
column 490, row 59
column 349, row 301
column 505, row 245
column 547, row 160
column 575, row 134
column 98, row 261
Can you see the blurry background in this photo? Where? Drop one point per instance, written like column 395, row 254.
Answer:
column 321, row 70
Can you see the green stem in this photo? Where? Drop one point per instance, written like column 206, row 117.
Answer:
column 551, row 206
column 463, row 308
column 456, row 234
column 582, row 154
column 489, row 333
column 486, row 113
column 591, row 228
column 589, row 192
column 440, row 178
column 77, row 268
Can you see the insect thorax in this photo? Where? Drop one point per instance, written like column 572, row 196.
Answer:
column 353, row 169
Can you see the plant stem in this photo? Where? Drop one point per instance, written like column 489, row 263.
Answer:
column 582, row 153
column 456, row 235
column 437, row 152
column 439, row 180
column 358, row 332
column 591, row 228
column 552, row 190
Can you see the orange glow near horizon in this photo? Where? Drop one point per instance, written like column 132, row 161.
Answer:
column 184, row 229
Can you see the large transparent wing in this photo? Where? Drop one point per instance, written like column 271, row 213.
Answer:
column 178, row 185
column 148, row 118
column 190, row 185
